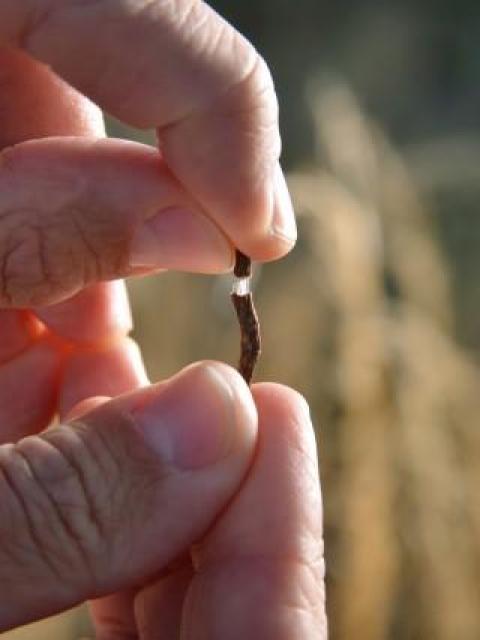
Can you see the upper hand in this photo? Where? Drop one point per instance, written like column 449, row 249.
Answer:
column 76, row 208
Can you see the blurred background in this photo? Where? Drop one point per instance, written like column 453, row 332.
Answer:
column 375, row 316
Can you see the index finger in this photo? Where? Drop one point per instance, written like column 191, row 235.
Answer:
column 260, row 571
column 180, row 67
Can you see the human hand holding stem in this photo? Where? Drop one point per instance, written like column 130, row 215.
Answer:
column 101, row 507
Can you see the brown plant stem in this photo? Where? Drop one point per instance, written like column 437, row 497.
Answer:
column 250, row 343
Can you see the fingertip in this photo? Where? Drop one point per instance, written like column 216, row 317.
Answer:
column 216, row 410
column 246, row 415
column 285, row 412
column 278, row 235
column 279, row 401
column 283, row 224
column 268, row 247
column 266, row 549
column 208, row 416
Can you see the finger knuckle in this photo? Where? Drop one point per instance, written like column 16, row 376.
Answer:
column 79, row 496
column 66, row 505
column 251, row 104
column 185, row 14
column 52, row 242
column 25, row 270
column 44, row 258
column 256, row 88
column 51, row 513
column 72, row 500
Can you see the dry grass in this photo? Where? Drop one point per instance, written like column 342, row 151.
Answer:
column 401, row 501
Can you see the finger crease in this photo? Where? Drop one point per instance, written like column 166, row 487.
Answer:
column 204, row 108
column 89, row 247
column 55, row 507
column 89, row 499
column 36, row 540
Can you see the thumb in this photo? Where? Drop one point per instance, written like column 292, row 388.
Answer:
column 76, row 211
column 103, row 503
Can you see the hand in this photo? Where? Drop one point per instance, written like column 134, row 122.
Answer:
column 114, row 501
column 77, row 210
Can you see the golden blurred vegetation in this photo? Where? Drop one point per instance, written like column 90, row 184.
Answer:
column 397, row 399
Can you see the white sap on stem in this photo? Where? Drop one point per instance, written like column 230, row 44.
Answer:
column 241, row 286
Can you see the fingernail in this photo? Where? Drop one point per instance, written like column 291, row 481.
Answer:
column 180, row 239
column 283, row 220
column 191, row 423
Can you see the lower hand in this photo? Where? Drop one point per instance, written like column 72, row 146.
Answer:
column 125, row 500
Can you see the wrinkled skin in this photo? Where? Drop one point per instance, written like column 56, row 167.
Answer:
column 189, row 509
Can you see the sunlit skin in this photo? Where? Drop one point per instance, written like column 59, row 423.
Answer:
column 226, row 544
